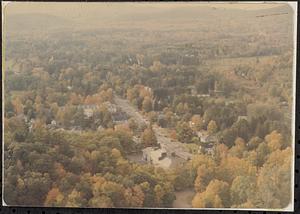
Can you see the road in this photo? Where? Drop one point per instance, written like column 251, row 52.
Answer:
column 171, row 146
column 130, row 110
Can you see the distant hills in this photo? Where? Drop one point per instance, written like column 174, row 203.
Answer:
column 93, row 18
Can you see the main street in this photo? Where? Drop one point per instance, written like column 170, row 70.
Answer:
column 171, row 146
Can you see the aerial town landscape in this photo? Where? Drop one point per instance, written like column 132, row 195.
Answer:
column 158, row 105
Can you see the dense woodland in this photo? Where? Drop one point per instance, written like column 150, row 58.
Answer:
column 233, row 79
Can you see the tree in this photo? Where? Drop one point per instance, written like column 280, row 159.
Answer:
column 159, row 193
column 147, row 104
column 75, row 199
column 212, row 127
column 36, row 187
column 134, row 196
column 132, row 124
column 221, row 152
column 231, row 167
column 274, row 140
column 100, row 201
column 239, row 148
column 180, row 108
column 204, row 175
column 274, row 180
column 18, row 106
column 216, row 195
column 197, row 122
column 229, row 136
column 148, row 137
column 54, row 198
column 262, row 153
column 242, row 189
column 253, row 143
column 184, row 133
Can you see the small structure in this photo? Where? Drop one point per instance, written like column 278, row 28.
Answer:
column 88, row 110
column 112, row 108
column 76, row 129
column 157, row 157
column 203, row 95
column 284, row 104
column 31, row 124
column 207, row 148
column 136, row 139
column 242, row 118
column 52, row 125
column 205, row 137
column 193, row 90
column 100, row 128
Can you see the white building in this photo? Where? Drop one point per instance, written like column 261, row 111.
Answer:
column 205, row 137
column 88, row 110
column 157, row 157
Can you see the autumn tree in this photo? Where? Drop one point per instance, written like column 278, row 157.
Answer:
column 212, row 127
column 274, row 173
column 134, row 196
column 148, row 137
column 216, row 195
column 274, row 141
column 184, row 133
column 197, row 122
column 147, row 104
column 242, row 189
column 54, row 198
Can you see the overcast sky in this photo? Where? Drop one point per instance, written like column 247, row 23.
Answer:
column 80, row 8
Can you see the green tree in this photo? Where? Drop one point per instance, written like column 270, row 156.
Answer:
column 184, row 133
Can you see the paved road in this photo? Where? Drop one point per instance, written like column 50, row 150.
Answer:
column 171, row 145
column 131, row 111
column 161, row 134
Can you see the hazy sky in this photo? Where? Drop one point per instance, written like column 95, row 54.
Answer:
column 77, row 8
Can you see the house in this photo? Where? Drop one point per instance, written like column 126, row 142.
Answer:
column 52, row 125
column 100, row 128
column 136, row 139
column 157, row 157
column 112, row 108
column 205, row 137
column 207, row 148
column 88, row 110
column 148, row 89
column 216, row 93
column 193, row 90
column 203, row 95
column 242, row 118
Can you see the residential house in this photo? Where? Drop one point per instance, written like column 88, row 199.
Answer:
column 242, row 118
column 112, row 108
column 157, row 157
column 207, row 148
column 136, row 139
column 88, row 110
column 205, row 137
